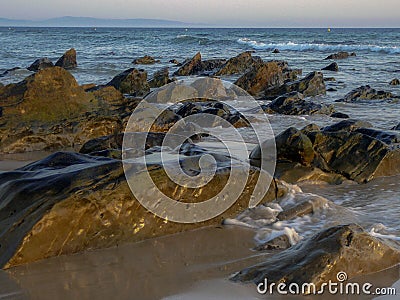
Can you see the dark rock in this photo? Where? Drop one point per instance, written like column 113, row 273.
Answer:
column 131, row 81
column 276, row 51
column 174, row 61
column 312, row 85
column 261, row 77
column 279, row 243
column 395, row 81
column 318, row 259
column 366, row 93
column 40, row 64
column 347, row 125
column 209, row 66
column 329, row 79
column 340, row 55
column 331, row 90
column 68, row 60
column 240, row 64
column 294, row 104
column 397, row 127
column 145, row 60
column 297, row 210
column 386, row 137
column 109, row 95
column 9, row 71
column 191, row 67
column 332, row 67
column 96, row 190
column 339, row 115
column 160, row 78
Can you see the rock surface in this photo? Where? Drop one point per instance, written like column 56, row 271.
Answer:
column 395, row 81
column 145, row 60
column 240, row 64
column 68, row 60
column 40, row 64
column 160, row 78
column 190, row 67
column 340, row 55
column 320, row 258
column 132, row 81
column 365, row 93
column 332, row 67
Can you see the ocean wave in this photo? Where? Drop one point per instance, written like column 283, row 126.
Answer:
column 290, row 46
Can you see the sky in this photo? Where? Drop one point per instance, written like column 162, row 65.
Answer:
column 263, row 13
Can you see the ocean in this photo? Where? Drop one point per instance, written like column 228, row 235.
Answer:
column 102, row 53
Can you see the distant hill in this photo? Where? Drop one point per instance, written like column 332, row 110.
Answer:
column 95, row 22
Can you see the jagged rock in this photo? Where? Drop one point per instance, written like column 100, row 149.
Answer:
column 318, row 259
column 311, row 85
column 366, row 93
column 261, row 77
column 339, row 115
column 340, row 55
column 131, row 81
column 174, row 61
column 294, row 104
column 68, row 60
column 145, row 60
column 191, row 67
column 332, row 67
column 386, row 137
column 347, row 125
column 208, row 67
column 89, row 205
column 109, row 95
column 240, row 64
column 160, row 78
column 276, row 51
column 397, row 127
column 40, row 64
column 395, row 81
column 279, row 243
column 89, row 86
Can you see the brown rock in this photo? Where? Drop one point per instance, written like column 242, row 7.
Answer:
column 190, row 67
column 240, row 64
column 131, row 81
column 145, row 60
column 68, row 60
column 395, row 81
column 340, row 55
column 160, row 78
column 40, row 64
column 332, row 67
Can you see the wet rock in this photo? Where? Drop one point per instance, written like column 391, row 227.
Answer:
column 364, row 93
column 340, row 55
column 145, row 60
column 397, row 127
column 294, row 104
column 89, row 86
column 131, row 81
column 240, row 64
column 329, row 79
column 9, row 71
column 160, row 78
column 332, row 67
column 174, row 61
column 279, row 243
column 109, row 95
column 88, row 205
column 297, row 210
column 347, row 125
column 261, row 77
column 339, row 115
column 190, row 67
column 276, row 51
column 386, row 137
column 318, row 259
column 395, row 81
column 40, row 64
column 68, row 60
column 312, row 85
column 208, row 67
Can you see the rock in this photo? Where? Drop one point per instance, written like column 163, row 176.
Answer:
column 340, row 55
column 329, row 79
column 191, row 67
column 51, row 94
column 109, row 95
column 366, row 93
column 281, row 242
column 89, row 86
column 318, row 259
column 332, row 67
column 294, row 104
column 160, row 78
column 68, row 60
column 386, row 137
column 174, row 61
column 261, row 77
column 397, row 127
column 240, row 64
column 331, row 90
column 339, row 115
column 298, row 210
column 276, row 51
column 395, row 81
column 145, row 60
column 131, row 81
column 88, row 205
column 9, row 71
column 208, row 67
column 40, row 64
column 347, row 125
column 311, row 85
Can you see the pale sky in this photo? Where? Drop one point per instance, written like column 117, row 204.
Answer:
column 269, row 13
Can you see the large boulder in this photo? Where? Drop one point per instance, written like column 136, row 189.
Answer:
column 240, row 64
column 261, row 77
column 320, row 258
column 332, row 67
column 340, row 55
column 68, row 60
column 131, row 81
column 69, row 202
column 40, row 64
column 366, row 93
column 145, row 60
column 311, row 85
column 295, row 104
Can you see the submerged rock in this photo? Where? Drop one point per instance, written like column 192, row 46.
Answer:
column 88, row 205
column 318, row 259
column 240, row 64
column 366, row 93
column 131, row 81
column 340, row 55
column 145, row 60
column 40, row 64
column 339, row 115
column 397, row 127
column 332, row 67
column 68, row 60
